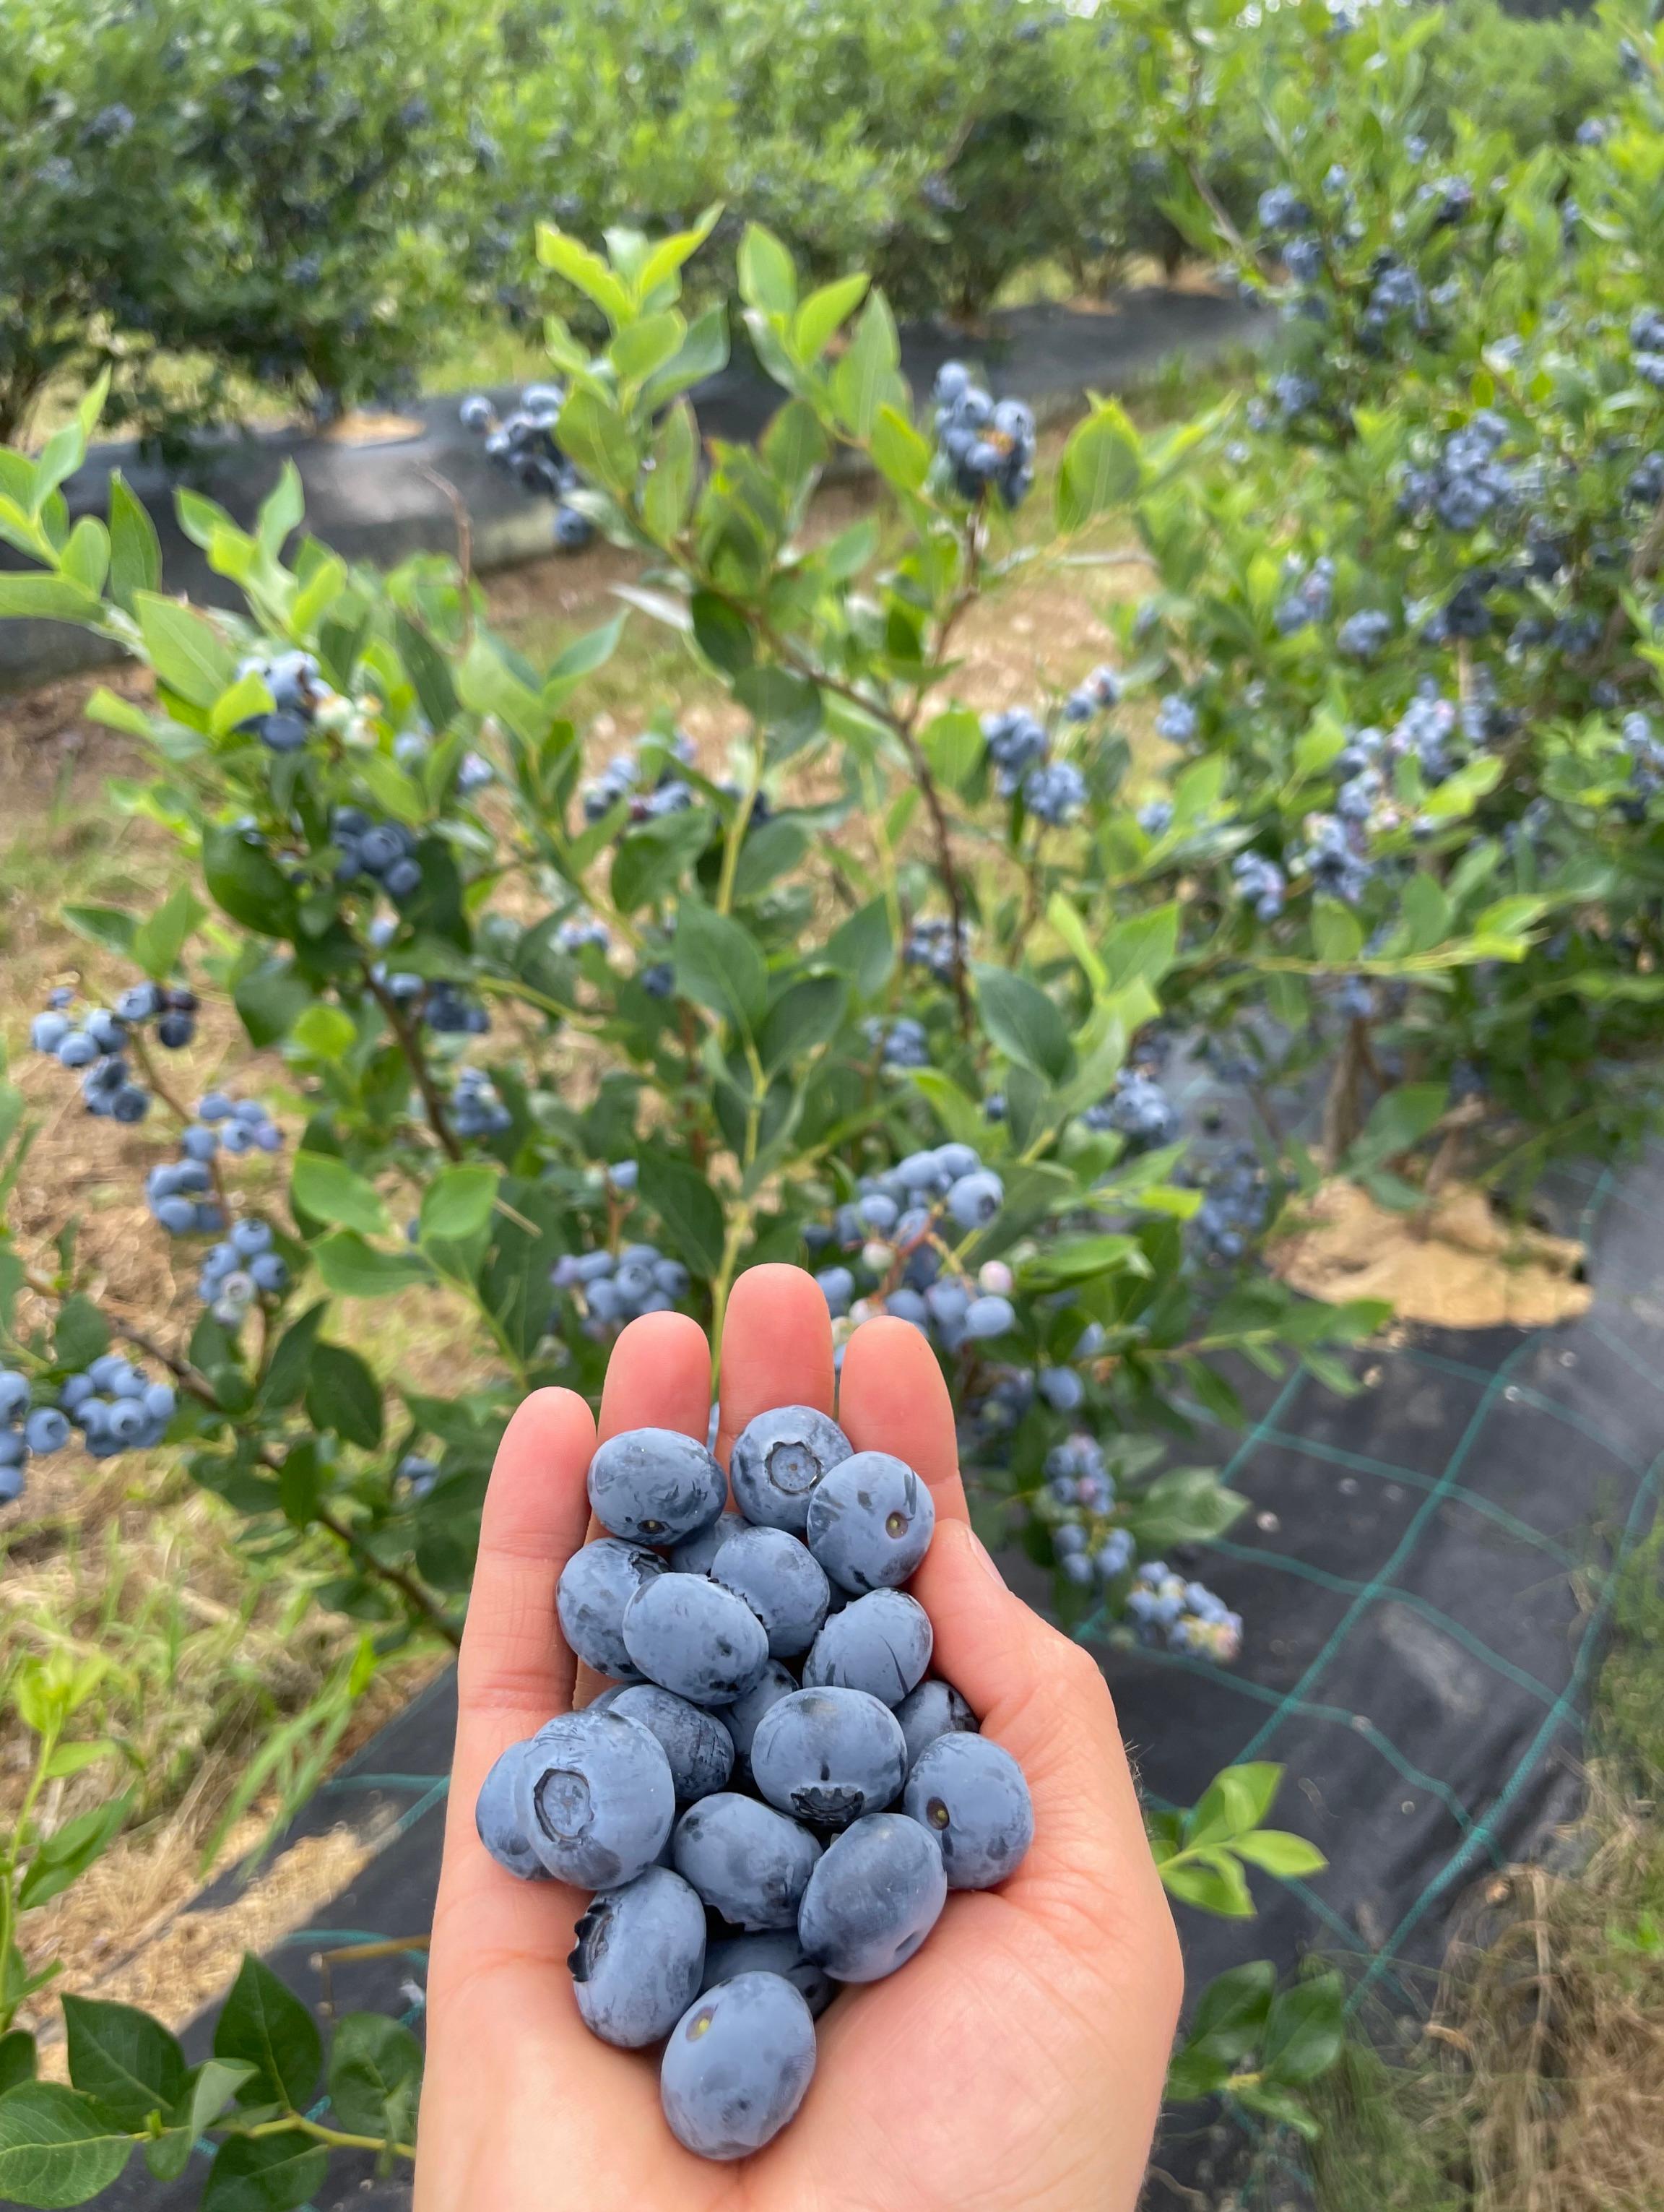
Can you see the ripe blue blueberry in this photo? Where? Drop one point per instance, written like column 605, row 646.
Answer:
column 46, row 1430
column 638, row 1960
column 698, row 1746
column 989, row 1317
column 597, row 1583
column 769, row 1951
column 870, row 1522
column 689, row 1636
column 268, row 1272
column 828, row 1755
column 934, row 1709
column 747, row 1860
column 881, row 1643
column 877, row 1892
column 694, row 1555
column 498, row 1821
column 742, row 1718
column 779, row 1456
column 655, row 1486
column 969, row 1792
column 976, row 1199
column 14, row 1393
column 781, row 1582
column 736, row 2066
column 595, row 1797
column 48, row 1030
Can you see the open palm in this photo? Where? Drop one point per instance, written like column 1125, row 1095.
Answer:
column 1017, row 2061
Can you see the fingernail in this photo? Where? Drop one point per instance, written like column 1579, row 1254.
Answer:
column 986, row 1560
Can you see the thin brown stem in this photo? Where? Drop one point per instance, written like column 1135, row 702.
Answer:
column 432, row 1097
column 465, row 524
column 396, row 1577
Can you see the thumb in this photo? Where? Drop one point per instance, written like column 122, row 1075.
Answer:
column 1040, row 1694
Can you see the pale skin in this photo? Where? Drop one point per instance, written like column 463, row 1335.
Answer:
column 1015, row 2065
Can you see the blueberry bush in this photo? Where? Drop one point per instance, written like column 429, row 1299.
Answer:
column 895, row 990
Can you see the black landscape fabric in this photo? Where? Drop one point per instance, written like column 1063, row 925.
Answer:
column 1419, row 1635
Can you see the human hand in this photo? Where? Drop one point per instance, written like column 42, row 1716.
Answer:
column 1016, row 2062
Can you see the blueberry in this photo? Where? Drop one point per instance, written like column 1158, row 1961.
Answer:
column 498, row 1822
column 736, row 2066
column 934, row 1709
column 248, row 1238
column 969, row 1792
column 11, row 1477
column 215, row 1106
column 881, row 1643
column 778, row 1459
column 268, row 1272
column 828, row 1755
column 129, row 1103
column 597, row 1584
column 46, row 1430
column 138, row 1004
column 747, row 1860
column 976, row 1199
column 694, row 1555
column 14, row 1393
column 877, row 1892
column 403, row 880
column 178, row 1216
column 48, row 1030
column 639, row 1958
column 741, row 1718
column 699, row 1748
column 76, row 1051
column 870, row 1521
column 126, row 1422
column 595, row 1795
column 655, row 1486
column 689, row 1636
column 769, row 1951
column 779, row 1579
column 989, row 1317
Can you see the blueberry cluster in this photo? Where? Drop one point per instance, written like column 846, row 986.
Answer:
column 1262, row 883
column 1139, row 1109
column 379, row 853
column 644, row 780
column 1235, row 1199
column 612, row 1288
column 1362, row 636
column 95, row 1043
column 1646, row 344
column 930, row 944
column 298, row 690
column 1055, row 794
column 580, row 930
column 1646, row 753
column 1310, row 596
column 1337, row 859
column 523, row 443
column 1097, row 695
column 1019, row 751
column 1080, row 1491
column 984, row 442
column 475, row 1108
column 1177, row 721
column 902, row 1043
column 895, row 1234
column 116, row 1408
column 776, row 1797
column 1467, row 485
column 1185, row 1616
column 239, row 1271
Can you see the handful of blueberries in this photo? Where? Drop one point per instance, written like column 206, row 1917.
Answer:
column 773, row 1798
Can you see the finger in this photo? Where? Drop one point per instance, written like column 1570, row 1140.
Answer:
column 659, row 1377
column 515, row 1671
column 892, row 1398
column 1040, row 1694
column 776, row 1348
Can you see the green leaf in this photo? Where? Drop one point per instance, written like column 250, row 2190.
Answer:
column 353, row 1269
column 786, row 706
column 721, row 633
column 647, row 345
column 801, row 1019
column 586, row 272
column 690, row 1209
column 1025, row 1022
column 55, row 2146
column 955, row 748
column 457, row 1203
column 1306, row 2031
column 651, row 859
column 718, row 963
column 597, row 438
column 375, row 2077
column 667, row 494
column 124, row 2058
column 328, row 1190
column 901, row 456
column 134, row 549
column 1185, row 1505
column 265, row 2025
column 1337, row 933
column 583, row 656
column 1215, row 1884
column 325, row 1032
column 264, row 2174
column 105, row 925
column 17, row 2058
column 80, row 1333
column 863, row 949
column 342, row 1394
column 1141, row 950
column 767, row 277
column 821, row 313
column 1238, row 1798
column 1101, row 469
column 767, row 853
column 30, row 598
column 208, row 2089
column 270, row 1001
column 248, row 884
column 1399, row 1120
column 85, row 559
column 281, row 511
column 1230, row 2013
column 867, row 377
column 285, row 1378
column 1279, row 1852
column 961, row 1116
column 189, row 654
column 159, row 941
